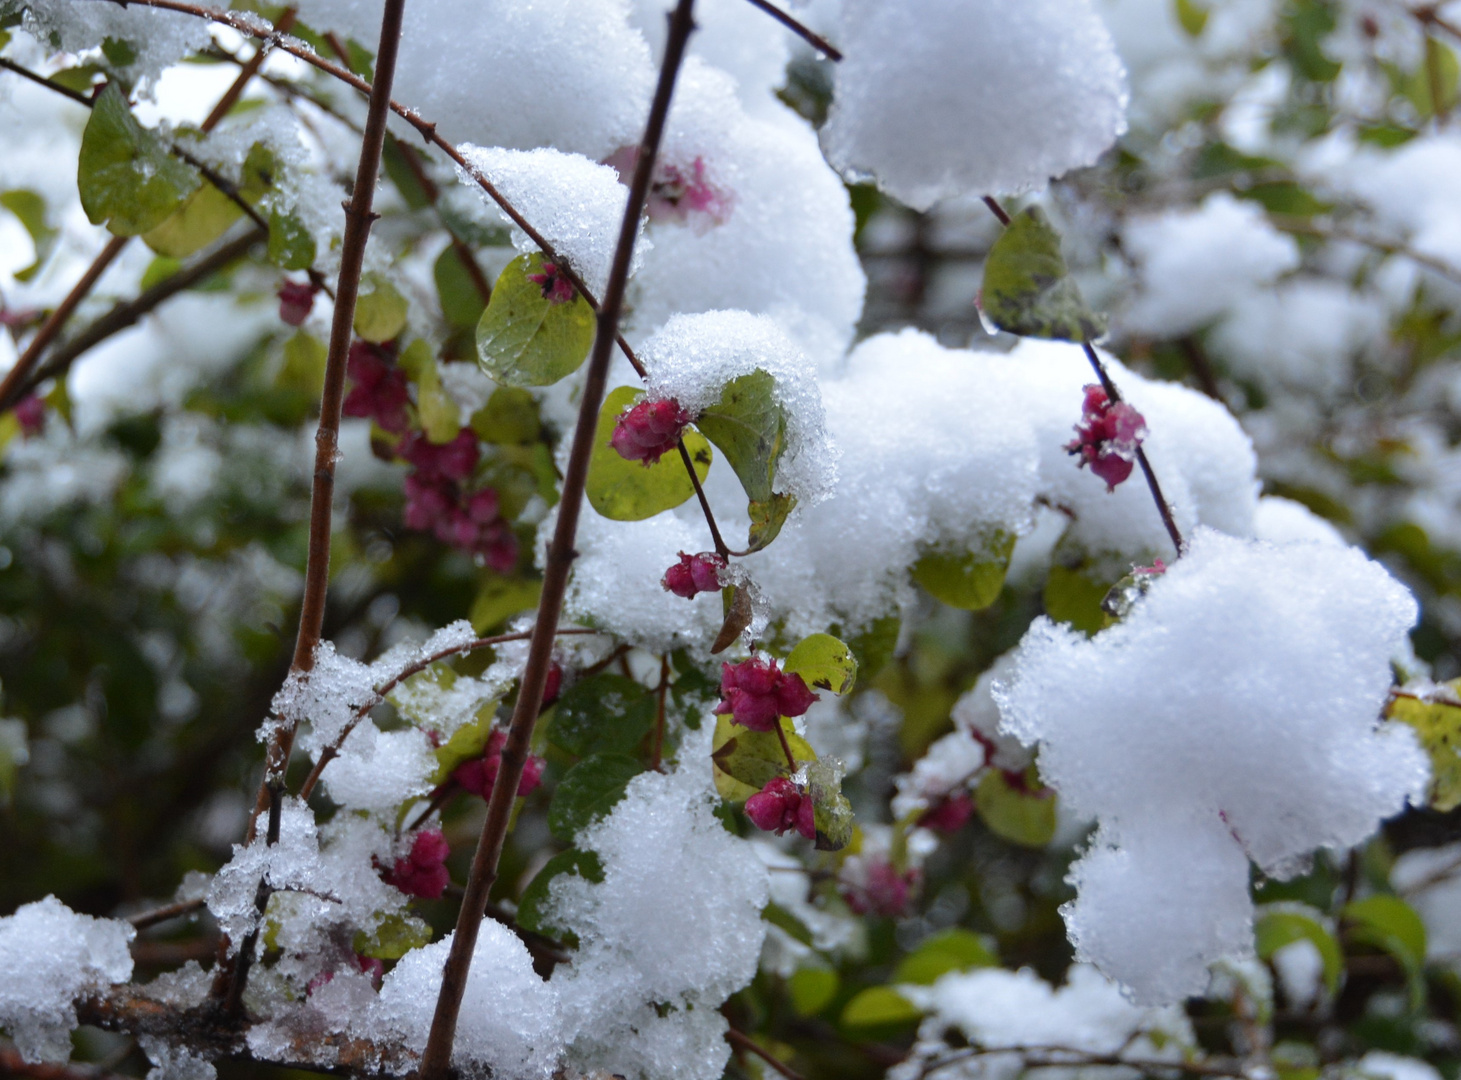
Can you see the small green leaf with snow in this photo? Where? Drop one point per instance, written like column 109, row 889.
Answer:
column 748, row 426
column 605, row 714
column 588, row 791
column 380, row 312
column 126, row 176
column 833, row 813
column 1438, row 724
column 291, row 245
column 1022, row 813
column 1027, row 288
column 623, row 490
column 525, row 339
column 1285, row 923
column 531, row 908
column 767, row 518
column 968, row 580
column 824, row 663
column 745, row 760
column 393, row 938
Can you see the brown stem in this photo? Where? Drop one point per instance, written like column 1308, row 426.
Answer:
column 25, row 73
column 142, row 920
column 436, row 1059
column 997, row 210
column 129, row 312
column 785, row 746
column 657, row 753
column 248, row 71
column 333, row 750
column 744, row 1042
column 1201, row 367
column 433, row 193
column 720, row 548
column 815, row 40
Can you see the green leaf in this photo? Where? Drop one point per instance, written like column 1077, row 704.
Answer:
column 968, row 580
column 202, row 219
column 461, row 300
column 605, row 714
column 510, row 418
column 159, row 270
column 125, row 174
column 631, row 490
column 767, row 518
column 1192, row 16
column 524, row 339
column 823, row 662
column 588, row 791
column 14, row 752
column 1438, row 723
column 30, row 208
column 393, row 158
column 380, row 313
column 1391, row 925
column 499, row 598
column 812, row 990
column 1027, row 288
column 440, row 418
column 1283, row 924
column 304, row 365
column 530, row 907
column 875, row 645
column 1023, row 814
column 746, row 760
column 878, row 1008
column 291, row 245
column 833, row 813
column 952, row 950
column 1074, row 597
column 749, row 427
column 393, row 938
column 779, row 917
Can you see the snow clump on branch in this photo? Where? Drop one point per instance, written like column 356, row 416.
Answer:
column 1232, row 717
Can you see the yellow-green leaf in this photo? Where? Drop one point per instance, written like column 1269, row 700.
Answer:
column 380, row 313
column 30, row 208
column 952, row 950
column 510, row 418
column 969, row 580
column 823, row 662
column 304, row 365
column 461, row 301
column 291, row 245
column 1283, row 924
column 1020, row 813
column 126, row 176
column 393, row 937
column 440, row 417
column 812, row 990
column 1027, row 288
column 745, row 760
column 767, row 518
column 525, row 339
column 877, row 1008
column 631, row 490
column 1192, row 16
column 202, row 219
column 1438, row 724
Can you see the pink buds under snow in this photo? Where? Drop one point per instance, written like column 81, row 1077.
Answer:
column 296, row 301
column 649, row 430
column 755, row 693
column 479, row 775
column 781, row 805
column 694, row 574
column 557, row 289
column 1107, row 437
column 423, row 873
column 873, row 886
column 379, row 392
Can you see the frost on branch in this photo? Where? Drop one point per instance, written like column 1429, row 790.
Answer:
column 671, row 931
column 158, row 39
column 978, row 97
column 1232, row 717
column 574, row 203
column 50, row 956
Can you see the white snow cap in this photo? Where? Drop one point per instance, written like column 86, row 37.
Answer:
column 671, row 932
column 984, row 97
column 577, row 205
column 50, row 956
column 572, row 74
column 1231, row 717
column 1195, row 264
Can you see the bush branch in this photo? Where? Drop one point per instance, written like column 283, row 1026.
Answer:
column 436, row 1059
column 811, row 37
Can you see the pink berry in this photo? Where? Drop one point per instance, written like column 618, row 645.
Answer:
column 380, row 392
column 296, row 301
column 557, row 289
column 649, row 430
column 1107, row 437
column 949, row 814
column 479, row 775
column 423, row 872
column 780, row 806
column 694, row 574
column 31, row 412
column 882, row 891
column 754, row 693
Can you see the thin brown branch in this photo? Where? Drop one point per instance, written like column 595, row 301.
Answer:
column 1201, row 367
column 333, row 750
column 436, row 1059
column 143, row 919
column 743, row 1041
column 248, row 71
column 55, row 87
column 997, row 210
column 806, row 33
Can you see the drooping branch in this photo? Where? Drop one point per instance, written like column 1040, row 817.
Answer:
column 1113, row 394
column 436, row 1059
column 806, row 33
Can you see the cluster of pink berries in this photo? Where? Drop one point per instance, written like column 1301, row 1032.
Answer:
column 296, row 301
column 379, row 392
column 1108, row 437
column 437, row 500
column 754, row 693
column 781, row 805
column 649, row 430
column 423, row 872
column 876, row 887
column 694, row 574
column 479, row 776
column 679, row 195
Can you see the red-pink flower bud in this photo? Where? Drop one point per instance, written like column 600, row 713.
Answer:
column 557, row 289
column 694, row 574
column 31, row 412
column 296, row 301
column 423, row 872
column 649, row 430
column 479, row 775
column 755, row 693
column 949, row 814
column 1108, row 437
column 781, row 805
column 883, row 891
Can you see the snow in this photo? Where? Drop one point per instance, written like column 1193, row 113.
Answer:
column 570, row 74
column 1300, row 969
column 509, row 1024
column 671, row 932
column 1194, row 264
column 50, row 956
column 1430, row 880
column 576, row 204
column 692, row 358
column 730, row 35
column 1280, row 520
column 1277, row 660
column 978, row 97
column 158, row 38
column 1387, row 1066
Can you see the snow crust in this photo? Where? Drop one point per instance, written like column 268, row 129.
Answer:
column 50, row 956
column 978, row 97
column 1232, row 717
